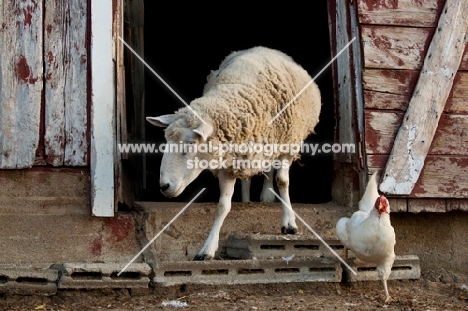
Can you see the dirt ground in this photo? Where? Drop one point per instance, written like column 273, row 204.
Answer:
column 436, row 290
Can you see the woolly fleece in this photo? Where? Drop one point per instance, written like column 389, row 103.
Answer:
column 243, row 95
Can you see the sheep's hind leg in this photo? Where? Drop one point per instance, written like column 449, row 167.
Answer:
column 267, row 196
column 288, row 223
column 226, row 189
column 245, row 183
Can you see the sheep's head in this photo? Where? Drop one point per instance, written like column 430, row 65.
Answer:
column 177, row 166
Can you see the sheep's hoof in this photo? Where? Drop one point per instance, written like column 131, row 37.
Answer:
column 288, row 230
column 202, row 257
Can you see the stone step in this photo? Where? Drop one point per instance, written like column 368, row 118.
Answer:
column 405, row 267
column 28, row 280
column 104, row 275
column 271, row 246
column 251, row 271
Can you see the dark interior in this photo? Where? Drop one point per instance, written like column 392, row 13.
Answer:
column 182, row 44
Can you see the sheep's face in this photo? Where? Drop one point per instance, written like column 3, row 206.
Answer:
column 178, row 165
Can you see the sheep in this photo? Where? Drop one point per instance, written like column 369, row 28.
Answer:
column 238, row 102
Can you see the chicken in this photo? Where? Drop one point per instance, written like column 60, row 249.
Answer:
column 369, row 233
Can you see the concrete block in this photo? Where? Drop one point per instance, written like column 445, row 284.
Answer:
column 28, row 280
column 405, row 267
column 187, row 234
column 267, row 246
column 104, row 275
column 225, row 272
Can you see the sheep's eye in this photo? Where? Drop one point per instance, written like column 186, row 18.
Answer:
column 188, row 147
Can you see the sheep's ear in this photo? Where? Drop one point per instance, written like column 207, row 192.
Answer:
column 204, row 130
column 161, row 121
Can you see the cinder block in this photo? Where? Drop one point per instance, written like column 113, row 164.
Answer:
column 28, row 280
column 222, row 272
column 104, row 275
column 405, row 267
column 267, row 246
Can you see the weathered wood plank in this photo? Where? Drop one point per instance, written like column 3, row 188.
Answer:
column 425, row 108
column 398, row 205
column 427, row 205
column 464, row 61
column 392, row 93
column 460, row 85
column 381, row 129
column 21, row 76
column 422, row 13
column 441, row 177
column 451, row 137
column 456, row 106
column 395, row 47
column 457, row 205
column 390, row 81
column 388, row 101
column 385, row 101
column 65, row 61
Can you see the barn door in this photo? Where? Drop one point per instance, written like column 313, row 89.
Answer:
column 414, row 86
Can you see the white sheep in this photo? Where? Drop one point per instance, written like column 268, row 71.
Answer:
column 239, row 99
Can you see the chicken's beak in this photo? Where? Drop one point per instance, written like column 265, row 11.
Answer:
column 383, row 205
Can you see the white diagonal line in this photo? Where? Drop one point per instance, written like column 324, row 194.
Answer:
column 164, row 82
column 159, row 233
column 313, row 79
column 313, row 231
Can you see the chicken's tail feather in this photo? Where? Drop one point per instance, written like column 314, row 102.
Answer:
column 370, row 195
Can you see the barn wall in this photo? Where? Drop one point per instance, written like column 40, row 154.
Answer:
column 395, row 39
column 45, row 188
column 43, row 83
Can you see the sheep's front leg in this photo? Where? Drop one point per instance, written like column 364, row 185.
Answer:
column 226, row 189
column 288, row 223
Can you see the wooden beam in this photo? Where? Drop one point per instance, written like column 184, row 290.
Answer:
column 103, row 109
column 430, row 95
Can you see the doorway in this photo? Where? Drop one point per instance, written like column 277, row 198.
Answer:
column 182, row 44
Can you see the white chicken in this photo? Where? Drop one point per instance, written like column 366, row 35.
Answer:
column 369, row 233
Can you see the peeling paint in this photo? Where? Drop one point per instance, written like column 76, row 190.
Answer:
column 447, row 72
column 389, row 185
column 121, row 227
column 374, row 5
column 22, row 69
column 95, row 246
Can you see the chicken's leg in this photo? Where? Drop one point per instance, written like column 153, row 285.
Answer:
column 387, row 296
